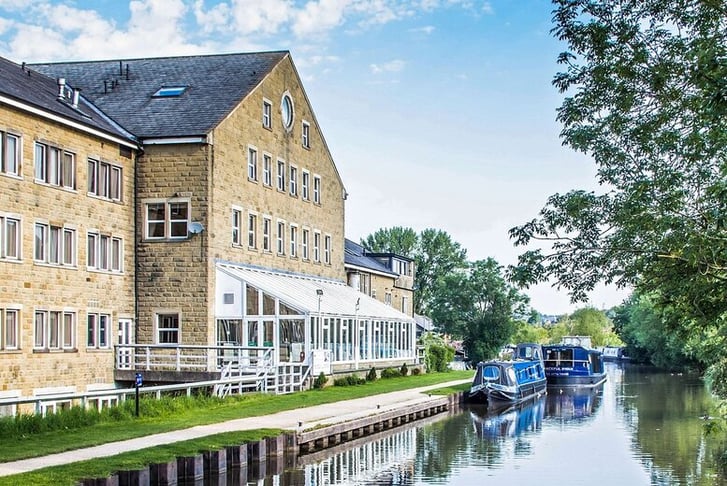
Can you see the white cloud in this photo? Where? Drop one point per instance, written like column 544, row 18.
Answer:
column 254, row 16
column 427, row 29
column 214, row 19
column 390, row 67
column 319, row 17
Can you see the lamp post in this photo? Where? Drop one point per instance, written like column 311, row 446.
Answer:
column 356, row 336
column 319, row 327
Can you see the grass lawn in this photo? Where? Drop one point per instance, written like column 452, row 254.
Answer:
column 247, row 405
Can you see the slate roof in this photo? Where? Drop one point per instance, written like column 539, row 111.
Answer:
column 215, row 85
column 355, row 254
column 31, row 88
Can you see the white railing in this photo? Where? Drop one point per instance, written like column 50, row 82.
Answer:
column 116, row 395
column 160, row 357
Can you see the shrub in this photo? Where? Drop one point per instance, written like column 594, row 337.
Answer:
column 416, row 372
column 404, row 370
column 320, row 382
column 390, row 373
column 371, row 375
column 438, row 356
column 350, row 380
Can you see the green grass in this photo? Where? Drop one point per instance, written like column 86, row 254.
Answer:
column 71, row 474
column 114, row 429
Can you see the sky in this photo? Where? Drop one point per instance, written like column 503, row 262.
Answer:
column 438, row 113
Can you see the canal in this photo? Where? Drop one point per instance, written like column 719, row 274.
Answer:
column 642, row 427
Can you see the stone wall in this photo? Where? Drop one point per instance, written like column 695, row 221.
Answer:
column 30, row 286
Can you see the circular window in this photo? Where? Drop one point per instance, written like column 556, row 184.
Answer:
column 286, row 108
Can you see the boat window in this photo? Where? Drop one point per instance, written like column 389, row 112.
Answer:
column 511, row 375
column 491, row 373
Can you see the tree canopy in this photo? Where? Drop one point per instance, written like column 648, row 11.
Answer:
column 645, row 85
column 435, row 255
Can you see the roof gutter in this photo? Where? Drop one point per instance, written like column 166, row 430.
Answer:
column 65, row 121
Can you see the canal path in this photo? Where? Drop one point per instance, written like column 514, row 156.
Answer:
column 299, row 419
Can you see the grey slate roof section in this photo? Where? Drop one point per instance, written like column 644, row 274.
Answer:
column 32, row 88
column 355, row 254
column 215, row 85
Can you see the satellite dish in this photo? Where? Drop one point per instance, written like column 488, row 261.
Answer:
column 195, row 227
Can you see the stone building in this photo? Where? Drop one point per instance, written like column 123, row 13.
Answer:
column 238, row 225
column 66, row 237
column 387, row 277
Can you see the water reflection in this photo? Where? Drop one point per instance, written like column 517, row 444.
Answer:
column 573, row 404
column 510, row 421
column 642, row 427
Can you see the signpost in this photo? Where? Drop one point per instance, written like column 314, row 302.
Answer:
column 137, row 384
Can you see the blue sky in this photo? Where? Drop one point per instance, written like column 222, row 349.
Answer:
column 438, row 113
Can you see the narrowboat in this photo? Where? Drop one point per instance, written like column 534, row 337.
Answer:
column 614, row 353
column 499, row 382
column 573, row 365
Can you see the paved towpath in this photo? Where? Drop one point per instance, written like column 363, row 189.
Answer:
column 308, row 417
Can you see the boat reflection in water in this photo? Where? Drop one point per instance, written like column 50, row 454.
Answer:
column 570, row 403
column 508, row 421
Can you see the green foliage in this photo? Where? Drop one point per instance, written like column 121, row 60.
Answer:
column 371, row 375
column 477, row 306
column 434, row 252
column 320, row 381
column 528, row 333
column 404, row 371
column 649, row 333
column 350, row 380
column 645, row 97
column 390, row 373
column 437, row 355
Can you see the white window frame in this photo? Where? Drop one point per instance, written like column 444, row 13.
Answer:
column 316, row 189
column 11, row 160
column 280, row 235
column 252, row 230
column 52, row 166
column 327, row 242
column 305, row 134
column 236, row 226
column 267, row 169
column 304, row 243
column 168, row 224
column 316, row 246
column 98, row 330
column 104, row 252
column 281, row 175
column 293, row 180
column 5, row 328
column 293, row 240
column 50, row 244
column 105, row 180
column 49, row 329
column 10, row 246
column 252, row 163
column 305, row 185
column 267, row 113
column 267, row 233
column 168, row 317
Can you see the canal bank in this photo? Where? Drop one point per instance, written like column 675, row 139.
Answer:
column 299, row 420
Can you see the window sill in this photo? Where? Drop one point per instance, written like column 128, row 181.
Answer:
column 54, row 351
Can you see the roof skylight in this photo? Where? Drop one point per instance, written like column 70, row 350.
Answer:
column 169, row 91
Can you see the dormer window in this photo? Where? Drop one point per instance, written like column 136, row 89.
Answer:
column 170, row 91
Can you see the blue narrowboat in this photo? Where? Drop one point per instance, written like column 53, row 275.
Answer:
column 499, row 382
column 569, row 364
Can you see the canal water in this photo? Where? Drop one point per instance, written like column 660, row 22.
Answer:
column 642, row 427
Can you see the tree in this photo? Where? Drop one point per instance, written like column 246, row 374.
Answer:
column 646, row 97
column 399, row 240
column 477, row 305
column 434, row 252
